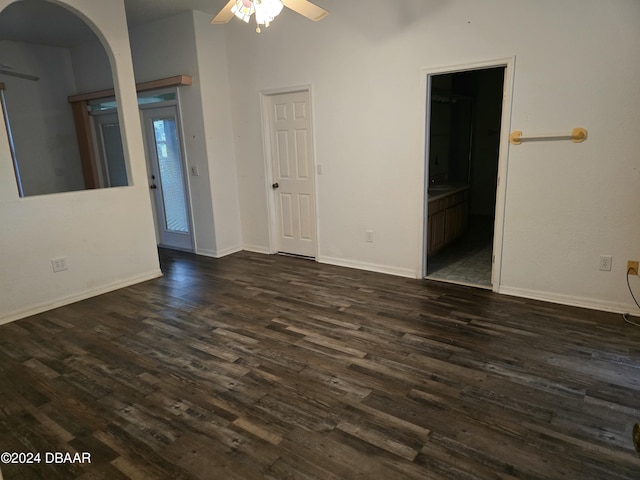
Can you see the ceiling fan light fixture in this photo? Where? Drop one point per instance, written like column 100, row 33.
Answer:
column 243, row 9
column 265, row 10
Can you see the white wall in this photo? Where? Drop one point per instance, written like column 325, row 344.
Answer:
column 106, row 235
column 216, row 110
column 566, row 203
column 41, row 118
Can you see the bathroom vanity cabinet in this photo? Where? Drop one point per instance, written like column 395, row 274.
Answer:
column 448, row 214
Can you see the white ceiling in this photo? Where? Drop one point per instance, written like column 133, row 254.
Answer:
column 39, row 21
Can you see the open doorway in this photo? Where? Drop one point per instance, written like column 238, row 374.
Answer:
column 463, row 139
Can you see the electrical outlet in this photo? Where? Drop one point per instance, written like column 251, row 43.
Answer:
column 605, row 263
column 632, row 267
column 370, row 236
column 195, row 171
column 59, row 264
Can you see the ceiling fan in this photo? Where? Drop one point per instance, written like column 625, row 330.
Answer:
column 267, row 10
column 9, row 70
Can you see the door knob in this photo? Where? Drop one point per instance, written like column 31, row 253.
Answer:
column 153, row 186
column 275, row 185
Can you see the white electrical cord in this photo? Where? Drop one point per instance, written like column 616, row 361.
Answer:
column 626, row 316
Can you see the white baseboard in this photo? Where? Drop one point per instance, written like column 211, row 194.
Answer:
column 43, row 307
column 257, row 249
column 569, row 300
column 370, row 267
column 228, row 251
column 206, row 253
column 218, row 253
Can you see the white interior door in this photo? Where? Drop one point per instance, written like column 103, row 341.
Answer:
column 168, row 180
column 293, row 181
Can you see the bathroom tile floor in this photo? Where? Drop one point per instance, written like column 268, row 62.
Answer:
column 467, row 260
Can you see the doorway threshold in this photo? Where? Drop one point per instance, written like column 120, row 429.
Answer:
column 296, row 255
column 459, row 282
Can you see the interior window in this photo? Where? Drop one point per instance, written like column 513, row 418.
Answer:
column 38, row 69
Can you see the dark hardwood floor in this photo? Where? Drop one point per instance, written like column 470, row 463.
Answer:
column 269, row 367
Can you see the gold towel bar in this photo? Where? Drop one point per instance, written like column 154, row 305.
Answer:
column 577, row 135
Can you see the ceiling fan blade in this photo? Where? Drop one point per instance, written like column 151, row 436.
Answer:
column 224, row 15
column 306, row 9
column 19, row 75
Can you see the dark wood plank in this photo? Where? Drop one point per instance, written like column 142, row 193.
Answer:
column 270, row 367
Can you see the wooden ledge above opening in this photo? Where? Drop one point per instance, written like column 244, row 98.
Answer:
column 176, row 81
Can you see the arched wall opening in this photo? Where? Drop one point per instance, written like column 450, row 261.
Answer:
column 56, row 146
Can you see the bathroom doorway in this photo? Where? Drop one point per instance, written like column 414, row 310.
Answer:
column 463, row 133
